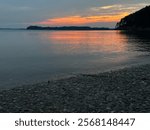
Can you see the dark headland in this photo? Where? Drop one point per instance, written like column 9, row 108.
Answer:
column 139, row 20
column 67, row 28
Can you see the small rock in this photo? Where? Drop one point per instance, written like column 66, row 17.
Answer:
column 144, row 79
column 48, row 82
column 1, row 107
column 144, row 83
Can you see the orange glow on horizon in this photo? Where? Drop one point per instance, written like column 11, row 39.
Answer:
column 79, row 20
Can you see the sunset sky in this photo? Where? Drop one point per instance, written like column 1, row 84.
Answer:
column 22, row 13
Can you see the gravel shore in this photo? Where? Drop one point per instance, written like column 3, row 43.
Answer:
column 124, row 91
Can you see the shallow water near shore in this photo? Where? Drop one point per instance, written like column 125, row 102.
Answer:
column 34, row 56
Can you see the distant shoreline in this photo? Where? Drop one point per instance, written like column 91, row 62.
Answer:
column 59, row 29
column 12, row 28
column 67, row 28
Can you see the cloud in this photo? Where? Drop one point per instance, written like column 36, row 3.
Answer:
column 106, row 7
column 81, row 20
column 15, row 8
column 24, row 8
column 100, row 14
column 119, row 7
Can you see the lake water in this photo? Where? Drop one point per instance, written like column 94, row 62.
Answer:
column 34, row 56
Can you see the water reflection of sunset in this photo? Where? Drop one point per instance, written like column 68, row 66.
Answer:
column 91, row 41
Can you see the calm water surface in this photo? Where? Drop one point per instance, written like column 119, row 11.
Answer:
column 34, row 56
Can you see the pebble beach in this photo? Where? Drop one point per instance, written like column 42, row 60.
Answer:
column 121, row 91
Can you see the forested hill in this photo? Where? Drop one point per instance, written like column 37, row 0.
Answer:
column 139, row 20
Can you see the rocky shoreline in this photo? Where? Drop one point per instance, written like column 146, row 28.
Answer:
column 124, row 91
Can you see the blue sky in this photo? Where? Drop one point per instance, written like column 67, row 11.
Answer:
column 21, row 13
